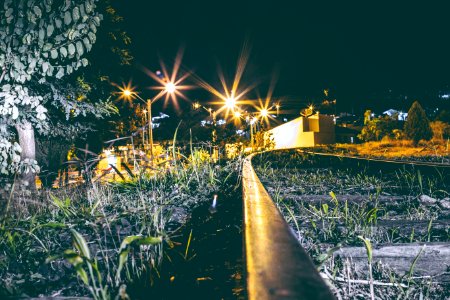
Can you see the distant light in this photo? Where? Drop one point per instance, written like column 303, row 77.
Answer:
column 264, row 112
column 445, row 96
column 170, row 87
column 230, row 102
column 127, row 93
column 237, row 115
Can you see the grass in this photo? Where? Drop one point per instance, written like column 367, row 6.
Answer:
column 354, row 209
column 96, row 240
column 433, row 151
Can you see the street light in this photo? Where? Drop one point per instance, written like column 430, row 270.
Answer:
column 277, row 106
column 264, row 113
column 127, row 93
column 230, row 102
column 252, row 119
column 169, row 88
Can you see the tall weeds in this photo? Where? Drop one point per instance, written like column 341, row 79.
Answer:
column 112, row 234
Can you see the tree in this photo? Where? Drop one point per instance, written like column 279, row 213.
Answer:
column 417, row 126
column 40, row 43
column 112, row 58
column 376, row 128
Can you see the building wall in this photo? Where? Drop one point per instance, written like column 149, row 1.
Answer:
column 304, row 132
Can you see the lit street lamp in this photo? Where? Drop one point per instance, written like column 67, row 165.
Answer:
column 251, row 119
column 264, row 113
column 230, row 102
column 277, row 106
column 169, row 88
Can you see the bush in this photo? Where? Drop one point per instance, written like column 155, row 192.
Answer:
column 441, row 130
column 377, row 128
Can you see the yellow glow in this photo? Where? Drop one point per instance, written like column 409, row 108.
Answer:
column 196, row 105
column 170, row 87
column 264, row 113
column 231, row 93
column 237, row 114
column 170, row 84
column 126, row 91
column 230, row 102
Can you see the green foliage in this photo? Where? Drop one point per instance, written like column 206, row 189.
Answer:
column 417, row 126
column 40, row 43
column 376, row 128
column 81, row 260
column 295, row 180
column 118, row 231
column 264, row 140
column 45, row 39
column 43, row 46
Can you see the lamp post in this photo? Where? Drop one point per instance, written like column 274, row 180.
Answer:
column 251, row 119
column 169, row 88
column 144, row 113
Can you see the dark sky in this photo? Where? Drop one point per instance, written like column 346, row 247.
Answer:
column 356, row 49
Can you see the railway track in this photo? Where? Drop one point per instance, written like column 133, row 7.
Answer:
column 272, row 247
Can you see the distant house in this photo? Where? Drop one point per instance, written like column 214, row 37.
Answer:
column 401, row 116
column 304, row 132
column 444, row 95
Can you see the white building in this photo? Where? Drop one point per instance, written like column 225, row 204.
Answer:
column 400, row 115
column 304, row 132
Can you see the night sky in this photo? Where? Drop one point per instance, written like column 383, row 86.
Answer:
column 357, row 50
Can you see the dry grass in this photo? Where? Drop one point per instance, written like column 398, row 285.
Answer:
column 398, row 149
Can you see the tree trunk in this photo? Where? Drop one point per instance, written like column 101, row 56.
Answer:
column 28, row 144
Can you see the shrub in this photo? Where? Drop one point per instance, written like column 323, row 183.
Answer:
column 441, row 130
column 377, row 128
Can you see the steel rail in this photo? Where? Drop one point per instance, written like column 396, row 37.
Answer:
column 277, row 266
